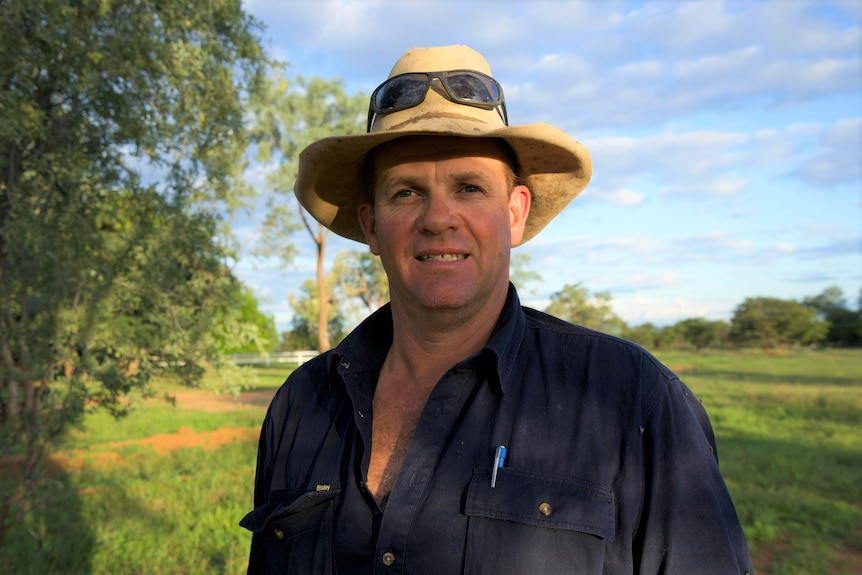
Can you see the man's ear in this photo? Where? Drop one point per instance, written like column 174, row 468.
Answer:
column 365, row 213
column 519, row 208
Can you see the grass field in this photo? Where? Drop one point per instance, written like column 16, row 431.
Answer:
column 161, row 491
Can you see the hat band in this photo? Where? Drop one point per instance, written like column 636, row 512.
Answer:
column 467, row 87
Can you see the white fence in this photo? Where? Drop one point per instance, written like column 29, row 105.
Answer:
column 295, row 357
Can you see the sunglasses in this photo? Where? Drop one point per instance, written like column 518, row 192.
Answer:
column 462, row 87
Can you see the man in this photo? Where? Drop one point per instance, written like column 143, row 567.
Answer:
column 454, row 431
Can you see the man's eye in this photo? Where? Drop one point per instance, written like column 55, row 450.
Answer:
column 403, row 194
column 470, row 189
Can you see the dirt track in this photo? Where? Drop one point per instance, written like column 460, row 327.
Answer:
column 107, row 455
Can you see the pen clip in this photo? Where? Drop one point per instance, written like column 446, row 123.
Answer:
column 499, row 461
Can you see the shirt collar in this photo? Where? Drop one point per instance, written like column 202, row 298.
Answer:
column 365, row 348
column 505, row 340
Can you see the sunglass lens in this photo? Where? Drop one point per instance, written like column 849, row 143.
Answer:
column 400, row 92
column 473, row 88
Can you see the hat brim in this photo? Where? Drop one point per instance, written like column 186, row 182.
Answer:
column 554, row 166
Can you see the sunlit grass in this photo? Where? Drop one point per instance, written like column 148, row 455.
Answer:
column 788, row 431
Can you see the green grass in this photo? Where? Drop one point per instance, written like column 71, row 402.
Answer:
column 790, row 445
column 133, row 510
column 789, row 438
column 156, row 514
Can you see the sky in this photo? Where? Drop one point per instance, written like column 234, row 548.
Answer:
column 726, row 138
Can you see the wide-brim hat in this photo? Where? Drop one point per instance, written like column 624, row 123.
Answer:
column 553, row 165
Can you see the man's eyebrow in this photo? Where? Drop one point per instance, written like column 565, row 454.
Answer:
column 401, row 180
column 410, row 181
column 470, row 176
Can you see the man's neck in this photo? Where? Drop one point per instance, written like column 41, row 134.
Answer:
column 426, row 344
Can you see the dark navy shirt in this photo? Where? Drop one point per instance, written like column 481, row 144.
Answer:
column 611, row 464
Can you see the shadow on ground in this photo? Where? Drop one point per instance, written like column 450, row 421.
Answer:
column 53, row 538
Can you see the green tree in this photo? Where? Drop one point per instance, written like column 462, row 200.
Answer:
column 845, row 325
column 304, row 325
column 574, row 304
column 263, row 336
column 771, row 322
column 702, row 333
column 669, row 337
column 122, row 134
column 288, row 116
column 645, row 335
column 360, row 278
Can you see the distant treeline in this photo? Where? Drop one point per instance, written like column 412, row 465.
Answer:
column 821, row 320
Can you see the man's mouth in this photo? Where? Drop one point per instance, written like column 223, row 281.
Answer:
column 442, row 257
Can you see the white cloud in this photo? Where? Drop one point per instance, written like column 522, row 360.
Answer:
column 621, row 196
column 642, row 281
column 642, row 70
column 726, row 186
column 694, row 163
column 837, row 160
column 640, row 309
column 701, row 164
column 697, row 53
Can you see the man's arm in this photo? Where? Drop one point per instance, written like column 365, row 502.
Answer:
column 257, row 564
column 688, row 522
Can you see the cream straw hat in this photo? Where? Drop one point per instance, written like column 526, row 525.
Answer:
column 553, row 165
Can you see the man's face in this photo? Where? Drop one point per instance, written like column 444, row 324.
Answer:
column 444, row 219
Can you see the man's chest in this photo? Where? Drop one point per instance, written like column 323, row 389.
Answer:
column 394, row 420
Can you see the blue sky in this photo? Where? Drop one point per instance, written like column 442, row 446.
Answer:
column 726, row 137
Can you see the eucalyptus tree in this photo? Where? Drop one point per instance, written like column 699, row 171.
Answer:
column 289, row 115
column 122, row 138
column 360, row 279
column 304, row 324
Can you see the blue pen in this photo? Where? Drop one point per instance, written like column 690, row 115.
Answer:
column 499, row 461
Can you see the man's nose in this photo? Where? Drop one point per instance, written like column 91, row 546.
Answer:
column 439, row 214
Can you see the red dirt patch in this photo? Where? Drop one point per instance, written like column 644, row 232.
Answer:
column 106, row 455
column 677, row 369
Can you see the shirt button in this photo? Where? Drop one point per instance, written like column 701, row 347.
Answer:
column 388, row 558
column 279, row 534
column 545, row 509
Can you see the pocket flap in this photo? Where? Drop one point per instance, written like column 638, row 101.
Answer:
column 284, row 504
column 542, row 500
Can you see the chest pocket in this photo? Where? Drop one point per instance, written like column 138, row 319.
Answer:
column 536, row 523
column 297, row 530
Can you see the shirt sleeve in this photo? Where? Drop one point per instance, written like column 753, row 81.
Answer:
column 257, row 562
column 688, row 521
